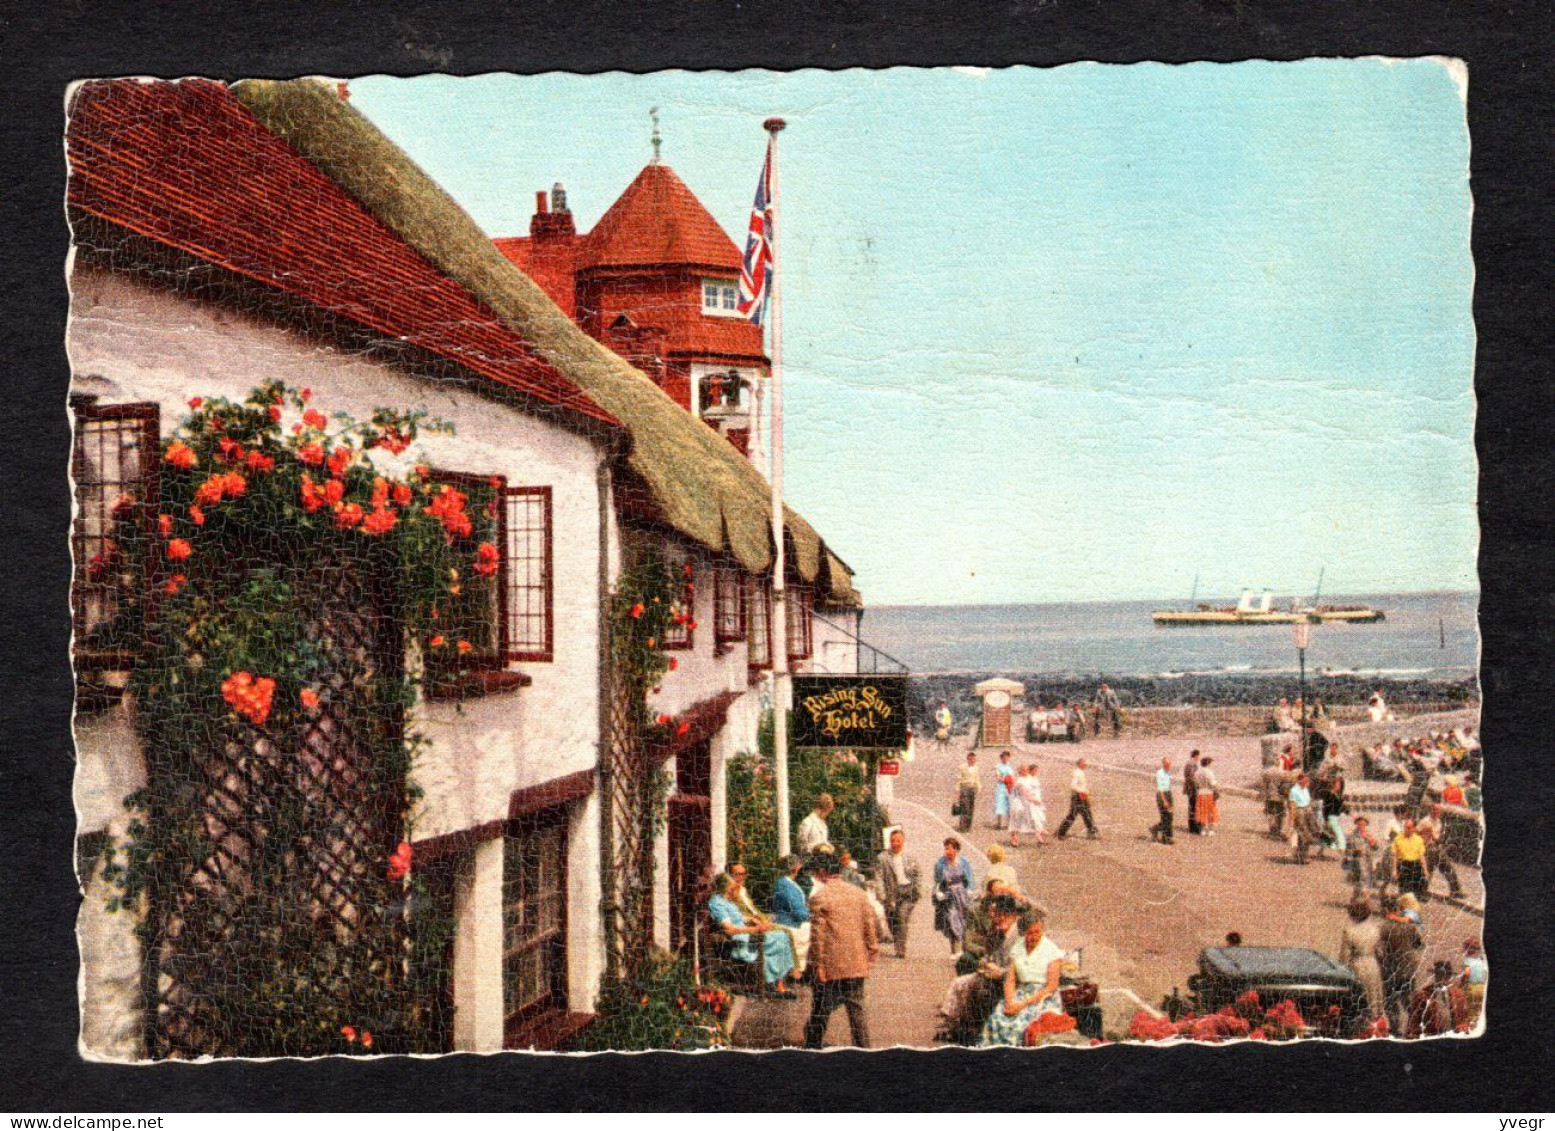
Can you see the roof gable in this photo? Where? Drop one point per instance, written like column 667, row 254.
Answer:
column 701, row 486
column 658, row 221
column 187, row 165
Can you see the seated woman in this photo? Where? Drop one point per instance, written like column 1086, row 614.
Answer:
column 1030, row 986
column 748, row 943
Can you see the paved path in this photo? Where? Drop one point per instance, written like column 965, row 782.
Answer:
column 1141, row 912
column 902, row 995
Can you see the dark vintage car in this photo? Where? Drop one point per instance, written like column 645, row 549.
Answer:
column 1310, row 979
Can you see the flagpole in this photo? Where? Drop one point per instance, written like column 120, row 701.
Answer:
column 774, row 126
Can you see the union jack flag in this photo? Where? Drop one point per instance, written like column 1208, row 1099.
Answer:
column 756, row 269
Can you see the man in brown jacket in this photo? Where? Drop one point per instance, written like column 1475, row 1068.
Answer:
column 844, row 943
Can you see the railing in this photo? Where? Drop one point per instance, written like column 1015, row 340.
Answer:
column 876, row 655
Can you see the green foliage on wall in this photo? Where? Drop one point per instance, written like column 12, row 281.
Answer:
column 855, row 824
column 270, row 847
column 659, row 1006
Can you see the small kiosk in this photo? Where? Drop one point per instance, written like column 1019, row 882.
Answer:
column 997, row 695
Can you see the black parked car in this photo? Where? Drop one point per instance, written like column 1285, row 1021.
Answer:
column 1310, row 979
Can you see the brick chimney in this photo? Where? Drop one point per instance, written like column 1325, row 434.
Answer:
column 554, row 220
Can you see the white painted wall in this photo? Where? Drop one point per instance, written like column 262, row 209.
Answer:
column 834, row 652
column 131, row 341
column 109, row 766
column 701, row 673
column 477, row 972
column 585, row 925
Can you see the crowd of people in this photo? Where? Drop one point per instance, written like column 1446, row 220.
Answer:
column 1383, row 948
column 828, row 926
column 1408, row 852
column 1443, row 764
column 829, row 922
column 1062, row 722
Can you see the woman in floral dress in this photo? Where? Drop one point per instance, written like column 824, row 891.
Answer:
column 1027, row 812
column 1030, row 986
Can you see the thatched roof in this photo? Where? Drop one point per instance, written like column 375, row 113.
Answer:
column 699, row 484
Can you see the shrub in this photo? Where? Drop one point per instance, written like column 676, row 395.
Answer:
column 854, row 825
column 659, row 1007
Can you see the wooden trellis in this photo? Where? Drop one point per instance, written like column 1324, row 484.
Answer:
column 630, row 826
column 291, row 892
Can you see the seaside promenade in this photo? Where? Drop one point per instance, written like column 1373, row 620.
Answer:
column 1141, row 912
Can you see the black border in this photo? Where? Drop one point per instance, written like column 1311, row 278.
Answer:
column 51, row 44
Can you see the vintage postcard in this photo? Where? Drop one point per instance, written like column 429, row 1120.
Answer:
column 920, row 558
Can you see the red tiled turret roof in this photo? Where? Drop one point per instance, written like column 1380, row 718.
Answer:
column 658, row 221
column 189, row 166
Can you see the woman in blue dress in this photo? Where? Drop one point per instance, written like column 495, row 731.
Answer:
column 1030, row 986
column 749, row 942
column 1004, row 779
column 952, row 887
column 791, row 911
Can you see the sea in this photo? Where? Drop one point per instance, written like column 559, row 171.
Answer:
column 1427, row 636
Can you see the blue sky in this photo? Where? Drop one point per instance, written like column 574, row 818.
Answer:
column 1067, row 334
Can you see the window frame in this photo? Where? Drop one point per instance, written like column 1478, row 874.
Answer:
column 725, row 577
column 758, row 585
column 798, row 609
column 548, row 569
column 730, row 404
column 725, row 288
column 149, row 416
column 497, row 656
column 682, row 637
column 555, row 819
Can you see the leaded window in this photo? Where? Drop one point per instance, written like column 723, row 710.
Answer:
column 534, row 928
column 114, row 464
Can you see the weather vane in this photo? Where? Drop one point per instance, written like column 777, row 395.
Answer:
column 658, row 140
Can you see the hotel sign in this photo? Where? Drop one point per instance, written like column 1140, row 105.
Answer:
column 858, row 712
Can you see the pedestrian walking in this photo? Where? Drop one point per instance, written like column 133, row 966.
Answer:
column 1358, row 948
column 1079, row 803
column 1277, row 780
column 1004, row 780
column 1190, row 792
column 943, row 721
column 1108, row 707
column 1409, row 861
column 1360, row 858
column 844, row 944
column 1206, row 800
column 1335, row 806
column 1161, row 831
column 952, row 888
column 966, row 793
column 1419, row 784
column 1028, row 814
column 812, row 830
column 1398, row 954
column 1437, row 860
column 1305, row 828
column 899, row 879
